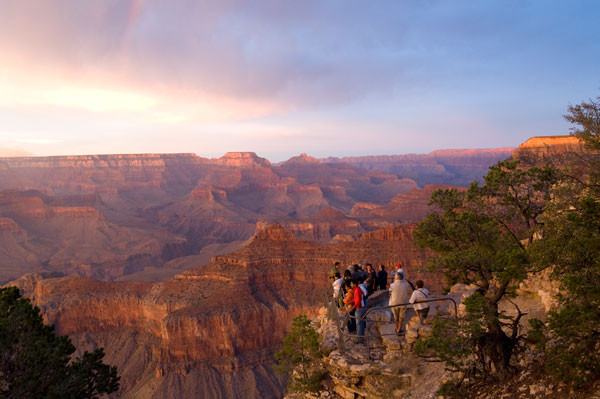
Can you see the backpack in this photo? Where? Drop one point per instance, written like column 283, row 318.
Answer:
column 365, row 294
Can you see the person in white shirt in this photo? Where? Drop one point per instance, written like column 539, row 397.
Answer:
column 337, row 285
column 399, row 295
column 419, row 295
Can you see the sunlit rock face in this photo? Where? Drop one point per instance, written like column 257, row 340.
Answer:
column 212, row 331
column 554, row 149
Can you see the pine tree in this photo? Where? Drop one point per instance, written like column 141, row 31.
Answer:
column 299, row 356
column 36, row 363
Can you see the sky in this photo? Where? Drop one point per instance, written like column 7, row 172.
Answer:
column 328, row 78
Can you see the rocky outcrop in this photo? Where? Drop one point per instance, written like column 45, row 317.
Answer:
column 412, row 206
column 301, row 159
column 386, row 366
column 212, row 330
column 554, row 149
column 542, row 286
column 242, row 159
column 549, row 145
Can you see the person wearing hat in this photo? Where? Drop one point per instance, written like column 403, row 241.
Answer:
column 399, row 269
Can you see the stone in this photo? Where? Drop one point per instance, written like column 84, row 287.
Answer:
column 536, row 389
column 457, row 288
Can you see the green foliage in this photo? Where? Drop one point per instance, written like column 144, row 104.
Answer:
column 521, row 221
column 482, row 236
column 35, row 362
column 300, row 356
column 571, row 243
column 449, row 343
column 450, row 389
column 587, row 117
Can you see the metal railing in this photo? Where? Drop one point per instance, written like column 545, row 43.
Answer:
column 369, row 323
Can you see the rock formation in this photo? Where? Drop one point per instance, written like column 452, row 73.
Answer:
column 455, row 167
column 211, row 331
column 125, row 216
column 557, row 150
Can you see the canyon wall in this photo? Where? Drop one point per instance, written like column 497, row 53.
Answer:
column 555, row 149
column 211, row 331
column 455, row 167
column 207, row 331
column 148, row 217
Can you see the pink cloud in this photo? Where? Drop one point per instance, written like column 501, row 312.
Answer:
column 14, row 152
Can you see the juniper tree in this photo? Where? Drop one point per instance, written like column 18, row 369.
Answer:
column 36, row 363
column 571, row 244
column 482, row 236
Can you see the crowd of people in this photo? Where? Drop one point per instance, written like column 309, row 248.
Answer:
column 352, row 290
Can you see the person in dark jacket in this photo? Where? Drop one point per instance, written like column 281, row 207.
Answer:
column 371, row 279
column 382, row 277
column 347, row 279
column 356, row 272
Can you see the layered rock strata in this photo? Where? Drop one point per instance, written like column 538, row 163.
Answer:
column 212, row 331
column 108, row 211
column 456, row 167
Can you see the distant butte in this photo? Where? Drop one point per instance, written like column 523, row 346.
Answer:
column 242, row 159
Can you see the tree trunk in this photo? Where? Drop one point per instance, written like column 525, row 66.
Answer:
column 499, row 349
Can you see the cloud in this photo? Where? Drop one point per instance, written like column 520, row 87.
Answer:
column 296, row 54
column 284, row 55
column 392, row 72
column 14, row 152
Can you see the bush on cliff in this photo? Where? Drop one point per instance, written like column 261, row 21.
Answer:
column 36, row 363
column 482, row 237
column 300, row 355
column 571, row 243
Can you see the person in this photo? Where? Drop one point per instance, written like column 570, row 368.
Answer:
column 359, row 308
column 337, row 285
column 399, row 294
column 364, row 286
column 382, row 277
column 418, row 295
column 371, row 279
column 400, row 269
column 356, row 273
column 345, row 288
column 347, row 279
column 334, row 269
column 350, row 308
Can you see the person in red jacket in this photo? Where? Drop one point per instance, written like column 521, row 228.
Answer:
column 358, row 308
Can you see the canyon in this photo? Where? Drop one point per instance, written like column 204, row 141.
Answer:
column 212, row 331
column 148, row 217
column 189, row 270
